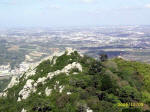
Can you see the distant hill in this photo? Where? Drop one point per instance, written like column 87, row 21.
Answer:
column 72, row 82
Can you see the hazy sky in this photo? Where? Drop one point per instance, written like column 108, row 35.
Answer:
column 47, row 13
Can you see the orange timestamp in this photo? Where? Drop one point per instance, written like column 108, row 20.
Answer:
column 130, row 104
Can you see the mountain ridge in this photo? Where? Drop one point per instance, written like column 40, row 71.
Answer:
column 72, row 82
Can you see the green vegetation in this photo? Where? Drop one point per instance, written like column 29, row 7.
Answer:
column 100, row 87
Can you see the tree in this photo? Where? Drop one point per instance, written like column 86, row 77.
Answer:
column 95, row 68
column 103, row 57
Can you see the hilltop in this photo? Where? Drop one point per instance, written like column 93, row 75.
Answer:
column 72, row 82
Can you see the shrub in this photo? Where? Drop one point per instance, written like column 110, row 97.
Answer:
column 128, row 94
column 62, row 101
column 111, row 65
column 81, row 106
column 96, row 81
column 108, row 83
column 84, row 94
column 101, row 95
column 93, row 103
column 131, row 110
column 91, row 91
column 95, row 68
column 112, row 98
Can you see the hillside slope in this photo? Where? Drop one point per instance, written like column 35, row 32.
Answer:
column 76, row 83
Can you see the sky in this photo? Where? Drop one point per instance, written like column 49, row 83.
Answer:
column 61, row 13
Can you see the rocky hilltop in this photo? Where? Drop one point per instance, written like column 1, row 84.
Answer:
column 72, row 82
